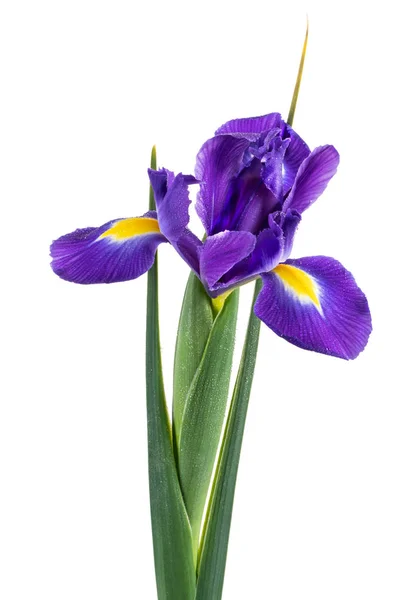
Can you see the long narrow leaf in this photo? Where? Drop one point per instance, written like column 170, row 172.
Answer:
column 195, row 324
column 213, row 550
column 296, row 90
column 172, row 540
column 204, row 414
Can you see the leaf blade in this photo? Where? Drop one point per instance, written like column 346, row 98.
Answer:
column 296, row 90
column 172, row 540
column 214, row 545
column 204, row 414
column 194, row 328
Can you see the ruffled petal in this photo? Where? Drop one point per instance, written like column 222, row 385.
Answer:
column 220, row 160
column 248, row 201
column 171, row 195
column 221, row 252
column 120, row 250
column 312, row 178
column 288, row 222
column 172, row 201
column 315, row 304
column 296, row 153
column 252, row 127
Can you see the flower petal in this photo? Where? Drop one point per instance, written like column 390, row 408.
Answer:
column 221, row 252
column 172, row 201
column 288, row 222
column 188, row 247
column 315, row 304
column 312, row 178
column 219, row 160
column 251, row 128
column 266, row 255
column 120, row 250
column 247, row 202
column 296, row 153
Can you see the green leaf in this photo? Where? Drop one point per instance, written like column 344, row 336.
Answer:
column 296, row 90
column 195, row 324
column 214, row 546
column 172, row 540
column 204, row 413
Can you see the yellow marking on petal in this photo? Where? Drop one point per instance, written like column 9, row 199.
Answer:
column 299, row 282
column 219, row 301
column 127, row 228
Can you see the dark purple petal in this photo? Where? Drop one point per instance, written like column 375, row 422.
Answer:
column 266, row 255
column 296, row 153
column 272, row 172
column 315, row 304
column 159, row 182
column 252, row 127
column 219, row 160
column 172, row 200
column 248, row 201
column 288, row 222
column 312, row 178
column 120, row 250
column 188, row 246
column 221, row 252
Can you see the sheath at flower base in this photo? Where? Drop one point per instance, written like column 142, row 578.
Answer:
column 257, row 177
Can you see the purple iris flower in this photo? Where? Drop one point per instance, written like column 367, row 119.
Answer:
column 257, row 177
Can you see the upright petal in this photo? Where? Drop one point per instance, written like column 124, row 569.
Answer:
column 251, row 128
column 172, row 201
column 221, row 252
column 248, row 201
column 219, row 160
column 120, row 250
column 288, row 222
column 315, row 304
column 312, row 178
column 296, row 153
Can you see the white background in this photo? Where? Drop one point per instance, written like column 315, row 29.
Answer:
column 87, row 88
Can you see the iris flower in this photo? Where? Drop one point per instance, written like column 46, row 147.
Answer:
column 256, row 178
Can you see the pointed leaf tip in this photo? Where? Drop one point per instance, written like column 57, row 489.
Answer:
column 296, row 90
column 153, row 165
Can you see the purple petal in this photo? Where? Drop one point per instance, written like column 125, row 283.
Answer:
column 252, row 127
column 221, row 252
column 312, row 178
column 288, row 222
column 160, row 180
column 266, row 255
column 315, row 304
column 219, row 160
column 188, row 247
column 272, row 172
column 120, row 250
column 296, row 153
column 248, row 201
column 172, row 200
